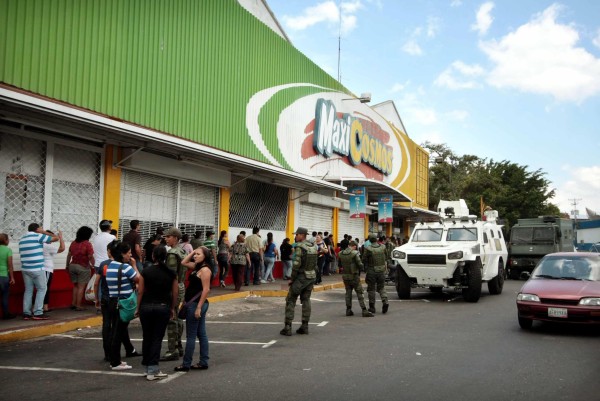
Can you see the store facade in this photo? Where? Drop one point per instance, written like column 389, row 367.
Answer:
column 200, row 115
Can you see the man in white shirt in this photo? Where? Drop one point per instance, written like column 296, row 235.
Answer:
column 100, row 242
column 50, row 251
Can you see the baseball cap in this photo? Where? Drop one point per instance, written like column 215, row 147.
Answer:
column 105, row 223
column 301, row 230
column 372, row 238
column 173, row 231
column 352, row 243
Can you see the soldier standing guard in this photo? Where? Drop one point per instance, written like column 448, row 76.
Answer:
column 375, row 260
column 349, row 260
column 304, row 273
column 175, row 326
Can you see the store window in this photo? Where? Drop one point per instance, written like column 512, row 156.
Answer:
column 257, row 204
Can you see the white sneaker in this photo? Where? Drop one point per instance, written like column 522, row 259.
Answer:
column 263, row 281
column 122, row 366
column 156, row 376
column 222, row 284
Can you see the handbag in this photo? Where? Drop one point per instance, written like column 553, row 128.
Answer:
column 90, row 293
column 127, row 306
column 183, row 307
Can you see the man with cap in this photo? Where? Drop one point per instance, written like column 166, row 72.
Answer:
column 375, row 262
column 349, row 260
column 304, row 273
column 175, row 326
column 210, row 243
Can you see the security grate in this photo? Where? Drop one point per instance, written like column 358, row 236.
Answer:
column 255, row 203
column 152, row 200
column 22, row 183
column 75, row 189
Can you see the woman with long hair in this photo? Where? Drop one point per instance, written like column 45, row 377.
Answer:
column 196, row 298
column 270, row 255
column 223, row 256
column 157, row 298
column 80, row 261
column 286, row 258
column 240, row 258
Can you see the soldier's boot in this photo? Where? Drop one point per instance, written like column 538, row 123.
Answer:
column 287, row 330
column 366, row 313
column 385, row 307
column 349, row 312
column 372, row 308
column 180, row 348
column 304, row 328
column 170, row 356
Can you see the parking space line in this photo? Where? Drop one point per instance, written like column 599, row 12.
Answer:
column 172, row 376
column 267, row 323
column 95, row 372
column 265, row 345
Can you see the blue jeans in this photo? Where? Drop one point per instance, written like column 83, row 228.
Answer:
column 154, row 319
column 254, row 267
column 35, row 279
column 287, row 268
column 4, row 286
column 269, row 263
column 196, row 328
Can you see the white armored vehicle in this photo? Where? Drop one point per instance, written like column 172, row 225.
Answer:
column 457, row 252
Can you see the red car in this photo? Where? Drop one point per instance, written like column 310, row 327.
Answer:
column 563, row 287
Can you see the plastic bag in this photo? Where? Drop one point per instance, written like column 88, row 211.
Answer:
column 90, row 293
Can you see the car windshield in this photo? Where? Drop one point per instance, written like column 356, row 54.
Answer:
column 462, row 234
column 568, row 268
column 528, row 235
column 427, row 235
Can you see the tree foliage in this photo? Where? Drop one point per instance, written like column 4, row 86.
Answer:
column 511, row 189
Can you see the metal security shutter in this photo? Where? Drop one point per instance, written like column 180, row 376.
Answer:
column 258, row 204
column 315, row 217
column 75, row 189
column 164, row 202
column 354, row 227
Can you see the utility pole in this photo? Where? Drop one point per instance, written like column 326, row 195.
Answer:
column 574, row 202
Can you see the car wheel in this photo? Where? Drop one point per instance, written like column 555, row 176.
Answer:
column 402, row 284
column 473, row 292
column 496, row 284
column 525, row 323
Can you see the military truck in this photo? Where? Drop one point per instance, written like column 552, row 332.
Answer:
column 458, row 252
column 533, row 238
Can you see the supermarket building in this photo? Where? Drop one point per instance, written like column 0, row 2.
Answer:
column 196, row 114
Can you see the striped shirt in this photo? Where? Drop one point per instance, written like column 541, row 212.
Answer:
column 112, row 279
column 31, row 250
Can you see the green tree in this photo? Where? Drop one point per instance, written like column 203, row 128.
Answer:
column 512, row 189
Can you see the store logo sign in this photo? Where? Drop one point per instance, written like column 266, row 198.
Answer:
column 345, row 136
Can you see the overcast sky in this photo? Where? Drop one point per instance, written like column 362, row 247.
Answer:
column 515, row 80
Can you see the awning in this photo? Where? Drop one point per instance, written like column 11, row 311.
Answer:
column 42, row 113
column 374, row 188
column 415, row 213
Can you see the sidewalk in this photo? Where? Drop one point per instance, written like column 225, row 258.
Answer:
column 63, row 320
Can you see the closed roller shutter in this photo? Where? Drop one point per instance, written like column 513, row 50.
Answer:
column 163, row 202
column 315, row 218
column 346, row 225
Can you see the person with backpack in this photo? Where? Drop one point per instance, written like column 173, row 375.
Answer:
column 175, row 326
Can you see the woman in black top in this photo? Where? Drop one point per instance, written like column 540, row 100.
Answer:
column 199, row 284
column 157, row 298
column 286, row 258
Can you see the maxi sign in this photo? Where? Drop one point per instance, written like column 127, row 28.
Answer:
column 345, row 136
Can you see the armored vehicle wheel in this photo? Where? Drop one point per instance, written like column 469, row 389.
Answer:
column 525, row 323
column 402, row 284
column 496, row 284
column 436, row 290
column 473, row 292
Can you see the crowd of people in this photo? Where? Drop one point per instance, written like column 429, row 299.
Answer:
column 159, row 270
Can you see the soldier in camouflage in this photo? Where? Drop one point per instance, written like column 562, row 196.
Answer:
column 304, row 273
column 375, row 262
column 349, row 260
column 175, row 327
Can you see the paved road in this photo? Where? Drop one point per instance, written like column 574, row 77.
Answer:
column 432, row 347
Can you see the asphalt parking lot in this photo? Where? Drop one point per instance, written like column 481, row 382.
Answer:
column 434, row 346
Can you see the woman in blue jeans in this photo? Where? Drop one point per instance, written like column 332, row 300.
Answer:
column 199, row 285
column 270, row 255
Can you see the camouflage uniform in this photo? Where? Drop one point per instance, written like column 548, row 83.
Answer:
column 375, row 260
column 349, row 260
column 175, row 326
column 304, row 273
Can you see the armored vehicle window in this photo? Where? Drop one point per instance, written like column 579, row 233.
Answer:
column 427, row 235
column 521, row 235
column 485, row 238
column 543, row 234
column 462, row 234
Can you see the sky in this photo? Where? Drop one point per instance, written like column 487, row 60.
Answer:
column 515, row 80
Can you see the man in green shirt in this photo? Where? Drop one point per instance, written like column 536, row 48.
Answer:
column 211, row 244
column 7, row 277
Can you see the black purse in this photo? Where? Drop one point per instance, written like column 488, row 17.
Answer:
column 183, row 307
